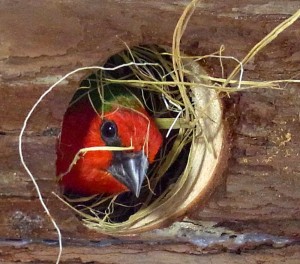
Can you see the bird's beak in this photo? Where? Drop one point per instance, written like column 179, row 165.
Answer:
column 130, row 169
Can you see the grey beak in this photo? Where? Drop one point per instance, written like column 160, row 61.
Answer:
column 130, row 169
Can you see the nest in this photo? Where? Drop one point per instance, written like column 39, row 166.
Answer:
column 189, row 116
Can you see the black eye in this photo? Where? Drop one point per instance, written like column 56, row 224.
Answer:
column 109, row 132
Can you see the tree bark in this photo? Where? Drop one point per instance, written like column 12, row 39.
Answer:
column 257, row 206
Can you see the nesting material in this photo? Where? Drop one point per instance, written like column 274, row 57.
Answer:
column 191, row 118
column 186, row 104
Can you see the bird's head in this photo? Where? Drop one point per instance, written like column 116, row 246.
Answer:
column 122, row 122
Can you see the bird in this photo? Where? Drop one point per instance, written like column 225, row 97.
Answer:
column 119, row 119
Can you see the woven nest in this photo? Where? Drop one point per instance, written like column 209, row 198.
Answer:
column 190, row 118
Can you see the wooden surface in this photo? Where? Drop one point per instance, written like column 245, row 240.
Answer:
column 255, row 212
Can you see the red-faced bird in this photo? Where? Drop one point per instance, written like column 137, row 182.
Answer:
column 120, row 121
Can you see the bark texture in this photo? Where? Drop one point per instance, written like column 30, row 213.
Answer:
column 256, row 209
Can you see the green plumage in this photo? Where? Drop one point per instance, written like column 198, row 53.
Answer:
column 105, row 95
column 108, row 97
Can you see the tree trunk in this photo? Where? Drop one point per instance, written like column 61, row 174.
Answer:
column 255, row 212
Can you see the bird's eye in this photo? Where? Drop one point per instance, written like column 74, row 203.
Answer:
column 109, row 130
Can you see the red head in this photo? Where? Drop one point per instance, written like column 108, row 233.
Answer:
column 108, row 172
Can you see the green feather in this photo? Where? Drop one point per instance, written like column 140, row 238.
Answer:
column 109, row 97
column 105, row 96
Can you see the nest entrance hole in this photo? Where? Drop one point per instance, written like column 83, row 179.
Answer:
column 117, row 209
